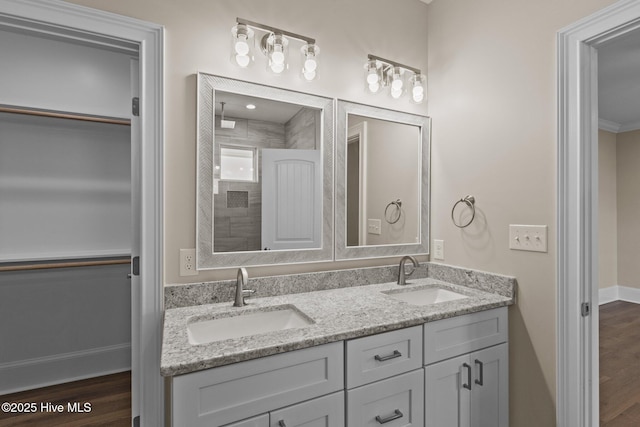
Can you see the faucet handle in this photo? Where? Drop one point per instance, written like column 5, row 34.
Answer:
column 247, row 293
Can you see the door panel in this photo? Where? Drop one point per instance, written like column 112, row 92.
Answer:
column 291, row 199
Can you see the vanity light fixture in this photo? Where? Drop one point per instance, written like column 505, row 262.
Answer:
column 274, row 44
column 400, row 78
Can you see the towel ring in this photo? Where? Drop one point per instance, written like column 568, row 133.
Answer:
column 470, row 201
column 398, row 204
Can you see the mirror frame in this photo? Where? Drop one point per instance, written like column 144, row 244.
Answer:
column 343, row 252
column 206, row 258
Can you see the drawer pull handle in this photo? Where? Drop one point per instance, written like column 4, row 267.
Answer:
column 481, row 380
column 281, row 423
column 467, row 385
column 396, row 414
column 393, row 355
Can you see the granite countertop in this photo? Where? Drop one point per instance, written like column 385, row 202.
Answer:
column 338, row 314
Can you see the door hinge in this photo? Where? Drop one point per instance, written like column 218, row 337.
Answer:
column 136, row 421
column 135, row 106
column 135, row 266
column 585, row 309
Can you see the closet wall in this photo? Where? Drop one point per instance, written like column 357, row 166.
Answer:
column 619, row 228
column 65, row 194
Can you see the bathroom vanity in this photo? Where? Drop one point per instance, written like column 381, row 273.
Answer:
column 365, row 356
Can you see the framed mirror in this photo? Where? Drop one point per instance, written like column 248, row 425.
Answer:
column 382, row 182
column 265, row 175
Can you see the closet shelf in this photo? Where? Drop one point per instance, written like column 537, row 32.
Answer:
column 65, row 264
column 63, row 115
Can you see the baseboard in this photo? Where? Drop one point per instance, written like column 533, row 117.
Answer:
column 619, row 293
column 62, row 368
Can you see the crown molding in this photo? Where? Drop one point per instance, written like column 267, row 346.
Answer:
column 609, row 126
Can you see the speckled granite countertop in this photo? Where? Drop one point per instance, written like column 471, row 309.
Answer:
column 339, row 314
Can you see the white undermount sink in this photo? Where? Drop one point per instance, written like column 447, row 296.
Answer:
column 424, row 296
column 245, row 324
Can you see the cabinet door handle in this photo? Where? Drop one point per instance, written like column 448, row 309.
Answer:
column 467, row 385
column 281, row 423
column 393, row 355
column 396, row 414
column 481, row 380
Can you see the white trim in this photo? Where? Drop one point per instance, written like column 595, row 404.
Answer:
column 61, row 368
column 577, row 336
column 609, row 126
column 150, row 39
column 607, row 295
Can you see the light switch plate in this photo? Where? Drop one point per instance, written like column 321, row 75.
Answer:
column 528, row 237
column 438, row 249
column 374, row 226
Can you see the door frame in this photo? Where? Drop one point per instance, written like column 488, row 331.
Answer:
column 577, row 271
column 149, row 36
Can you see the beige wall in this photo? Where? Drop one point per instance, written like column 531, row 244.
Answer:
column 492, row 98
column 607, row 211
column 628, row 160
column 197, row 39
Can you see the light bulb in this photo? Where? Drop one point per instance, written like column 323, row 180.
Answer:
column 309, row 75
column 243, row 60
column 372, row 77
column 396, row 84
column 310, row 64
column 277, row 56
column 418, row 98
column 241, row 46
column 374, row 87
column 418, row 92
column 277, row 67
column 395, row 93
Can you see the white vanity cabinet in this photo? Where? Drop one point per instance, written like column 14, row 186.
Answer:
column 385, row 379
column 470, row 389
column 446, row 373
column 228, row 394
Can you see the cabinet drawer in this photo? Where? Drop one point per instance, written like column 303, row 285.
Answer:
column 219, row 396
column 459, row 335
column 259, row 421
column 327, row 411
column 394, row 402
column 382, row 356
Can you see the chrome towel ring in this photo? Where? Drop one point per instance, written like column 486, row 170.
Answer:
column 396, row 214
column 470, row 201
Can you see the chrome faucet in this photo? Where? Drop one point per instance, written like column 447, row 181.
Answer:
column 241, row 292
column 401, row 274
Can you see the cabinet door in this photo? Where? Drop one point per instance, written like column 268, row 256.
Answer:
column 327, row 411
column 490, row 390
column 447, row 396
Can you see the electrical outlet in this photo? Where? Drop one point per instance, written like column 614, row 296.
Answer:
column 188, row 262
column 528, row 237
column 438, row 249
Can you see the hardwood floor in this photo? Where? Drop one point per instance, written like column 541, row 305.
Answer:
column 619, row 364
column 109, row 397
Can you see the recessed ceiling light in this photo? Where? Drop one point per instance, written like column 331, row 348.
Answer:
column 251, row 107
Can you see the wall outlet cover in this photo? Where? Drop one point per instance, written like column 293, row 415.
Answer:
column 438, row 249
column 374, row 226
column 188, row 262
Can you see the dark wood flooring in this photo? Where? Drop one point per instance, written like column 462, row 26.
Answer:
column 619, row 364
column 109, row 396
